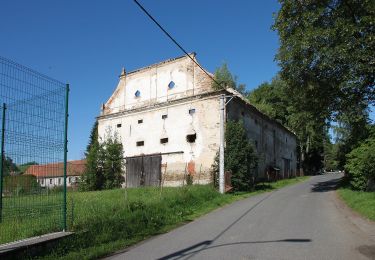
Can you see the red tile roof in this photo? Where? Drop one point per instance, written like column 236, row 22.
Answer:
column 74, row 168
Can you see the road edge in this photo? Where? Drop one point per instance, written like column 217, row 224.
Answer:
column 365, row 225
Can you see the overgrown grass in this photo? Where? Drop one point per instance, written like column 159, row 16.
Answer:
column 106, row 221
column 360, row 201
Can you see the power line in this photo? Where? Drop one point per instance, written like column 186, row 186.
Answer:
column 174, row 41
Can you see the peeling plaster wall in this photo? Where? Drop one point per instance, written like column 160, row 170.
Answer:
column 272, row 141
column 152, row 83
column 205, row 122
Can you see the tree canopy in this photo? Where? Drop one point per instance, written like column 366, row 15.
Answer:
column 326, row 53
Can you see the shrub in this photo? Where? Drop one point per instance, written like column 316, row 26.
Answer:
column 360, row 166
column 20, row 185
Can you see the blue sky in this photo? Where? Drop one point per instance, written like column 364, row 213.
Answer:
column 86, row 43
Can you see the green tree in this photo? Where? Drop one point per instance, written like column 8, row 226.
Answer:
column 226, row 79
column 9, row 167
column 92, row 178
column 104, row 162
column 274, row 100
column 240, row 157
column 352, row 129
column 326, row 59
column 23, row 167
column 326, row 53
column 113, row 162
column 360, row 166
column 270, row 98
column 94, row 137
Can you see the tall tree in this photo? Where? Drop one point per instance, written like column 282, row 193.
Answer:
column 326, row 53
column 9, row 166
column 104, row 162
column 113, row 163
column 226, row 79
column 92, row 178
column 94, row 137
column 274, row 100
column 240, row 157
column 270, row 98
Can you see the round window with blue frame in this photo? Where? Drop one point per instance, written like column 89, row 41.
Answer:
column 171, row 85
column 137, row 93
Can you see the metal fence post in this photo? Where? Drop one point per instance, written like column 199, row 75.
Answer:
column 65, row 153
column 2, row 161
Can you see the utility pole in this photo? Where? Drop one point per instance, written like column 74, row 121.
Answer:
column 221, row 155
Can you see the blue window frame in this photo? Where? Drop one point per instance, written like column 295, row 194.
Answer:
column 137, row 93
column 171, row 85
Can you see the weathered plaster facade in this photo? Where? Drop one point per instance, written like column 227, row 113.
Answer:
column 153, row 109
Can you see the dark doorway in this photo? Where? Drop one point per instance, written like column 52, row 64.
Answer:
column 143, row 171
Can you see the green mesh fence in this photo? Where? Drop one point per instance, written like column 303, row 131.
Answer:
column 33, row 110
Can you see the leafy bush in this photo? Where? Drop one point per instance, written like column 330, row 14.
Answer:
column 360, row 165
column 16, row 185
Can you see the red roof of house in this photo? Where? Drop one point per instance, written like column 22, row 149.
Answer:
column 74, row 168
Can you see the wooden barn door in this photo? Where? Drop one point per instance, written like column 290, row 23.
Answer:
column 152, row 170
column 143, row 171
column 133, row 171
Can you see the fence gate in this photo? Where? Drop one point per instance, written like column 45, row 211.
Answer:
column 33, row 122
column 143, row 171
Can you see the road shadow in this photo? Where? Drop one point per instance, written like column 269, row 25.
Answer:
column 325, row 186
column 193, row 250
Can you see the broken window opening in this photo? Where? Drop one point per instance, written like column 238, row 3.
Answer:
column 192, row 111
column 118, row 125
column 164, row 116
column 140, row 143
column 137, row 93
column 164, row 140
column 191, row 138
column 140, row 121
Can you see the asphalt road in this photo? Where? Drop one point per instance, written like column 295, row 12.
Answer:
column 303, row 221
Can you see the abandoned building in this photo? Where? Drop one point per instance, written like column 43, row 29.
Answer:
column 168, row 119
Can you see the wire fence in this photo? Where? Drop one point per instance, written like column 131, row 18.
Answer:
column 33, row 122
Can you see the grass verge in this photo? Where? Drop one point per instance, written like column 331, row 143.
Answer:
column 107, row 221
column 360, row 201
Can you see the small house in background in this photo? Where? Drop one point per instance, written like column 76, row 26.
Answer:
column 52, row 175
